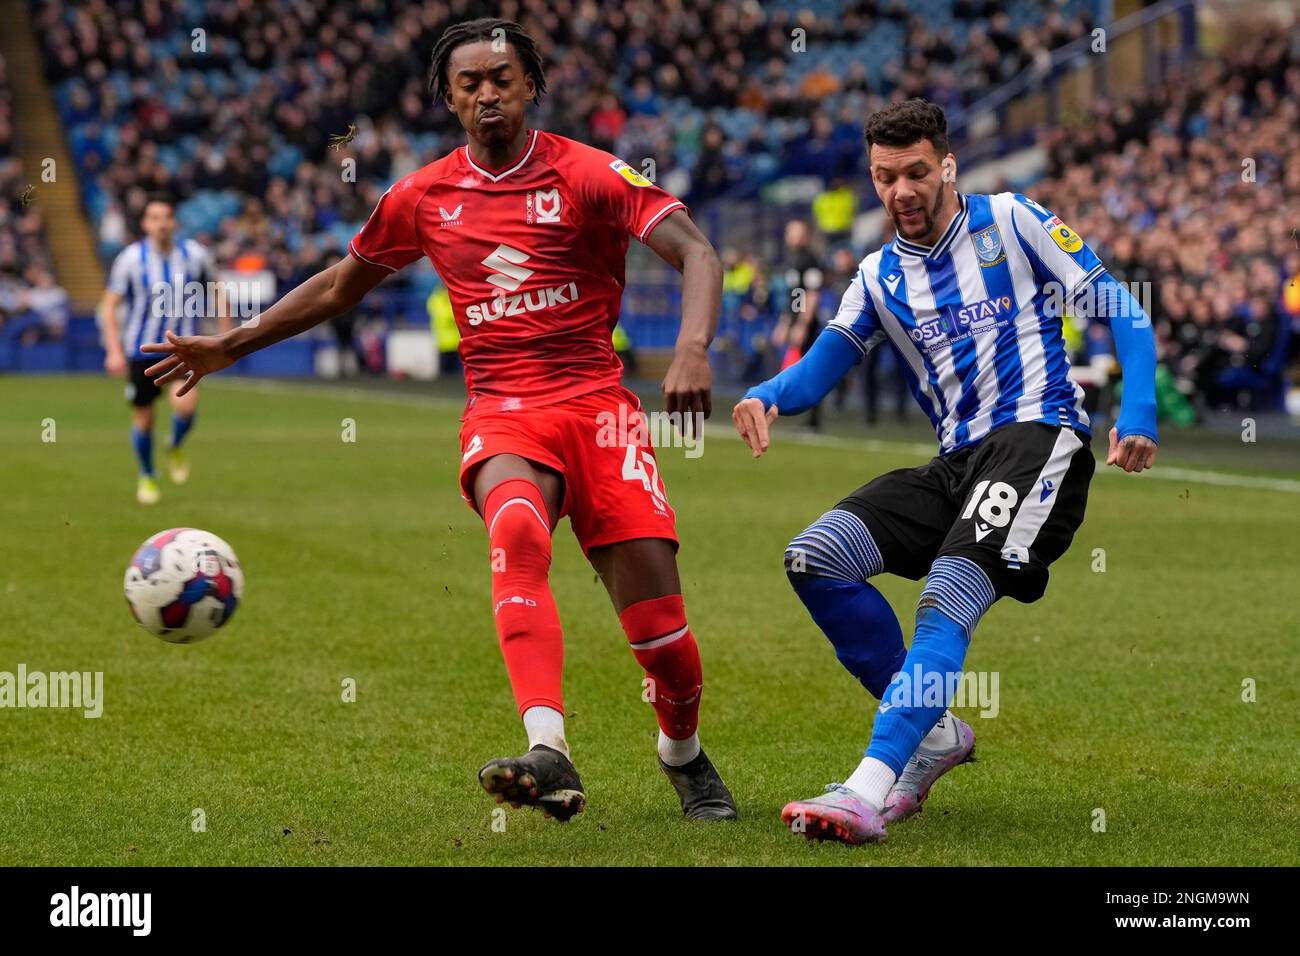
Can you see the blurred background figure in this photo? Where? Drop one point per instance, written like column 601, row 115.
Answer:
column 446, row 337
column 880, row 368
column 801, row 322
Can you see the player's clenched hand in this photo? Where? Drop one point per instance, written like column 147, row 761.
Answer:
column 189, row 357
column 752, row 423
column 1134, row 453
column 688, row 387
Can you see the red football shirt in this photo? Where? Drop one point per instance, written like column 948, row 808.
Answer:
column 533, row 256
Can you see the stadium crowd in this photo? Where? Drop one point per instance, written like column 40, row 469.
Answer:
column 1184, row 189
column 237, row 119
column 722, row 94
column 1191, row 187
column 27, row 282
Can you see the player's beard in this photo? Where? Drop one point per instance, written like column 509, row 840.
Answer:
column 927, row 224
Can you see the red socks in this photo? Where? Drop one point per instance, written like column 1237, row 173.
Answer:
column 663, row 644
column 528, row 624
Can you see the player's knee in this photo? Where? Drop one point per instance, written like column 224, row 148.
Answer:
column 959, row 589
column 519, row 542
column 836, row 545
column 519, row 535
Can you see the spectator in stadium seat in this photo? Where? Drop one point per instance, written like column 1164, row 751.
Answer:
column 643, row 101
column 606, row 122
column 44, row 297
column 710, row 177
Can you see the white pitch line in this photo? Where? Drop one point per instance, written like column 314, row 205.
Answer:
column 1167, row 473
column 1221, row 478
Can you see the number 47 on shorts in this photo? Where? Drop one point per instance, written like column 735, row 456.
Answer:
column 635, row 463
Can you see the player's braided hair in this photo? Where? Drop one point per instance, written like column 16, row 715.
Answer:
column 492, row 30
column 908, row 122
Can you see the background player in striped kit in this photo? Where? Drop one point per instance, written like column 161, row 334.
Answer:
column 147, row 276
column 970, row 294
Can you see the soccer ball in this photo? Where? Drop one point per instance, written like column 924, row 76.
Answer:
column 183, row 584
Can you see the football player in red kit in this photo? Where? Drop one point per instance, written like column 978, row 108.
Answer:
column 530, row 232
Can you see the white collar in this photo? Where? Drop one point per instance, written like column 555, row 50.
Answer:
column 497, row 177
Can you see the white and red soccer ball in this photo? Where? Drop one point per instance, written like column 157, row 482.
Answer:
column 183, row 584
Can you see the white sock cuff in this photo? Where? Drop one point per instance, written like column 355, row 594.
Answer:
column 871, row 781
column 545, row 725
column 675, row 753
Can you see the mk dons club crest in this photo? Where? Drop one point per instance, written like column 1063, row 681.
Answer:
column 547, row 205
column 988, row 245
column 542, row 205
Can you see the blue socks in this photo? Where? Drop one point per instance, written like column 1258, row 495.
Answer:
column 860, row 624
column 930, row 673
column 957, row 593
column 828, row 565
column 181, row 428
column 142, row 442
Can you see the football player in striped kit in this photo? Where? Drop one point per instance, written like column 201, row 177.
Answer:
column 154, row 278
column 970, row 294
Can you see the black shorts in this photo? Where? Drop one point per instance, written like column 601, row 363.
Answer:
column 1010, row 503
column 141, row 390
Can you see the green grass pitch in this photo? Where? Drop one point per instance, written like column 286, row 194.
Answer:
column 1119, row 691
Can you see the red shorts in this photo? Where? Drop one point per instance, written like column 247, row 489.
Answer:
column 599, row 442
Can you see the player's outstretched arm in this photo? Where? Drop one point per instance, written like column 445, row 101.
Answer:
column 797, row 389
column 688, row 385
column 325, row 295
column 1134, row 437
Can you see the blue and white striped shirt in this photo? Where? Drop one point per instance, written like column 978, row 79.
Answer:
column 142, row 274
column 976, row 317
